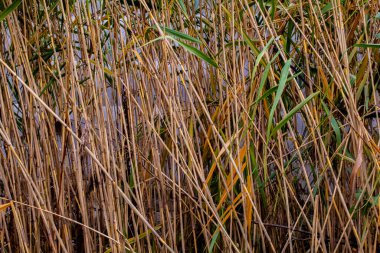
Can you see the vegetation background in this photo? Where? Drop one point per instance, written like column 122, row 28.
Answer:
column 189, row 126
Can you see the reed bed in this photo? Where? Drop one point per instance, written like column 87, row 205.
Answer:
column 189, row 126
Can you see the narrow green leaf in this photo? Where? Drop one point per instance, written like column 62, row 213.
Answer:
column 213, row 241
column 263, row 80
column 273, row 9
column 289, row 36
column 178, row 34
column 293, row 76
column 196, row 52
column 250, row 43
column 281, row 87
column 336, row 128
column 266, row 94
column 367, row 45
column 328, row 7
column 152, row 41
column 183, row 7
column 375, row 200
column 290, row 114
column 260, row 55
column 9, row 9
column 334, row 124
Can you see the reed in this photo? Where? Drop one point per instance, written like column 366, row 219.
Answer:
column 189, row 126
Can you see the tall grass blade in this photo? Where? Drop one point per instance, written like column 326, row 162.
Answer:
column 178, row 34
column 290, row 114
column 363, row 45
column 280, row 89
column 9, row 9
column 197, row 53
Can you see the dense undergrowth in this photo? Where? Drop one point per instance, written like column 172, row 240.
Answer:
column 189, row 126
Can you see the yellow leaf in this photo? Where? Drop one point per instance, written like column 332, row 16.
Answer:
column 5, row 206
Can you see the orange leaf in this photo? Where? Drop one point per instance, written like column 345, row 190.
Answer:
column 5, row 206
